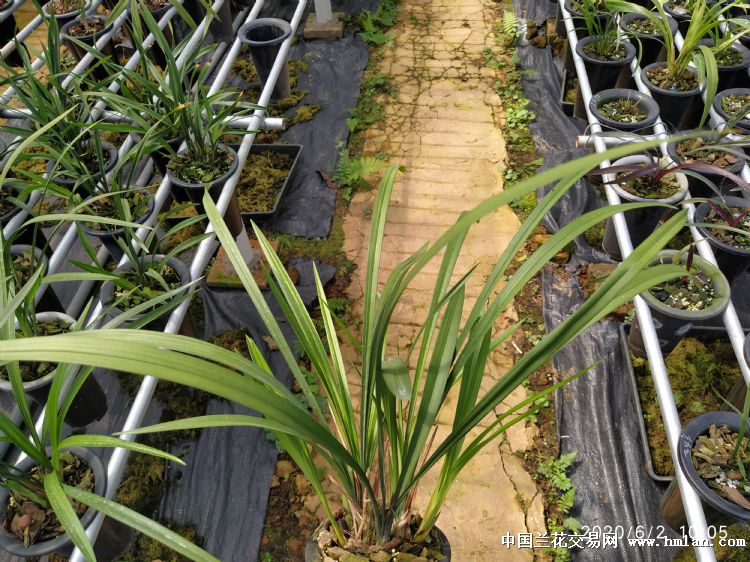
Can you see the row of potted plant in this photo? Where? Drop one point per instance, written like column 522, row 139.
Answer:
column 714, row 448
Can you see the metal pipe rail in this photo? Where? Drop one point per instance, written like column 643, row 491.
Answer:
column 692, row 503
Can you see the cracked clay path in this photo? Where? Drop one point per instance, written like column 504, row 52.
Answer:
column 441, row 127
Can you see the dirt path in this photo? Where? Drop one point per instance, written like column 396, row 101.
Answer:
column 442, row 127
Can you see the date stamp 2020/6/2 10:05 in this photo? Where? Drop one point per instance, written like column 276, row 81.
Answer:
column 614, row 536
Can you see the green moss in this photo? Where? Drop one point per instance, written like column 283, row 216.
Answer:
column 261, row 180
column 304, row 114
column 699, row 372
column 724, row 553
column 149, row 550
column 595, row 235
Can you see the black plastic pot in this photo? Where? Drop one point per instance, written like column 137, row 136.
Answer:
column 699, row 188
column 62, row 544
column 690, row 433
column 264, row 37
column 155, row 52
column 683, row 19
column 732, row 261
column 195, row 191
column 49, row 301
column 107, row 297
column 650, row 47
column 603, row 74
column 293, row 150
column 742, row 124
column 580, row 23
column 313, row 553
column 744, row 39
column 5, row 219
column 62, row 19
column 679, row 109
column 732, row 76
column 644, row 102
column 61, row 177
column 641, row 222
column 106, row 51
column 161, row 157
column 90, row 402
column 8, row 30
column 671, row 323
column 109, row 237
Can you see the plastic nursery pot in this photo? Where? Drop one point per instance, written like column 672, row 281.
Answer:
column 742, row 124
column 569, row 83
column 62, row 176
column 731, row 260
column 650, row 47
column 677, row 108
column 264, row 37
column 49, row 301
column 195, row 191
column 90, row 402
column 602, row 74
column 641, row 222
column 107, row 294
column 66, row 17
column 70, row 36
column 313, row 553
column 155, row 52
column 679, row 13
column 293, row 151
column 109, row 237
column 578, row 20
column 643, row 102
column 699, row 188
column 716, row 508
column 744, row 39
column 161, row 157
column 732, row 75
column 62, row 544
column 671, row 323
column 8, row 30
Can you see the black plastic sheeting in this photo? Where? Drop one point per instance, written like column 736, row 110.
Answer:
column 595, row 414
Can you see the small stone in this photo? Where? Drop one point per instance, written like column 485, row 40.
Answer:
column 380, row 556
column 336, row 552
column 284, row 468
column 349, row 557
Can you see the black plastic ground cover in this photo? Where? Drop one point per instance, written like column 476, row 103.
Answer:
column 596, row 417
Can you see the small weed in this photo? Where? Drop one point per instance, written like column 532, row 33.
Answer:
column 561, row 496
column 351, row 173
column 375, row 24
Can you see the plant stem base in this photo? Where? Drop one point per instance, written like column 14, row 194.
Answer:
column 222, row 274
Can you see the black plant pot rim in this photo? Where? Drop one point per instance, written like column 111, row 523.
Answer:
column 690, row 433
column 613, row 94
column 668, row 9
column 200, row 186
column 737, row 48
column 741, row 123
column 107, row 292
column 674, row 93
column 261, row 22
column 624, row 194
column 672, row 149
column 313, row 554
column 70, row 183
column 64, row 29
column 87, row 5
column 627, row 59
column 633, row 16
column 10, row 543
column 99, row 233
column 46, row 380
column 577, row 14
column 700, row 214
column 720, row 283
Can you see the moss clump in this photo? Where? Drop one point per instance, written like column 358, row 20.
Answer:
column 699, row 372
column 261, row 180
column 304, row 114
column 724, row 553
column 595, row 235
column 149, row 550
column 234, row 340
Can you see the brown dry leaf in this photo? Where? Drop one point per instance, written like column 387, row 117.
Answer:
column 736, row 496
column 270, row 342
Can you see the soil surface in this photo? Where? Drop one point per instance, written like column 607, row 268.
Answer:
column 60, row 7
column 701, row 149
column 33, row 523
column 87, row 27
column 734, row 103
column 691, row 292
column 623, row 111
column 32, row 370
column 643, row 26
column 127, row 298
column 700, row 372
column 604, row 52
column 662, row 78
column 666, row 187
column 190, row 170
